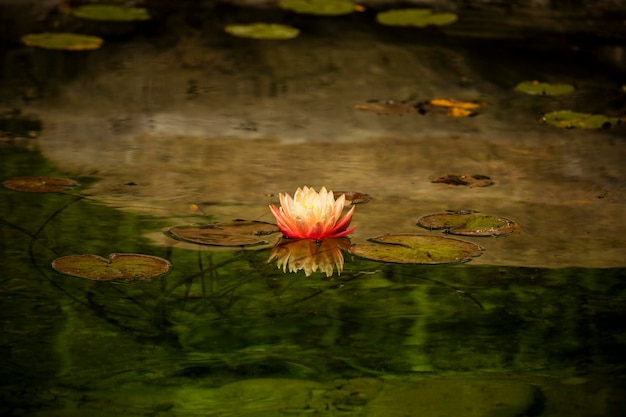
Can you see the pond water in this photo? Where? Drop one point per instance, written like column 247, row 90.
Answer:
column 173, row 122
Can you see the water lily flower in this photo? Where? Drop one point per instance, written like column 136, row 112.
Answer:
column 309, row 256
column 312, row 215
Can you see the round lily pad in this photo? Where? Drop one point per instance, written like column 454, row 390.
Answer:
column 469, row 224
column 110, row 13
column 319, row 7
column 39, row 184
column 568, row 119
column 63, row 41
column 415, row 17
column 127, row 266
column 262, row 31
column 237, row 233
column 417, row 249
column 544, row 89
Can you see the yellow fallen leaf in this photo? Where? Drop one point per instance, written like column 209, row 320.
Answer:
column 444, row 102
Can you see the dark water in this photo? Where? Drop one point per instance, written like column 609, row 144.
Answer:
column 227, row 333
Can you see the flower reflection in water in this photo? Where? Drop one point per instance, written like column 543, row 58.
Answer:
column 310, row 256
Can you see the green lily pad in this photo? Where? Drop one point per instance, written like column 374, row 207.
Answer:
column 544, row 89
column 63, row 41
column 469, row 224
column 568, row 119
column 39, row 184
column 318, row 7
column 111, row 13
column 237, row 233
column 415, row 17
column 263, row 31
column 417, row 249
column 127, row 266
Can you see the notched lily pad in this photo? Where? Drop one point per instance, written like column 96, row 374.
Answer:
column 417, row 249
column 236, row 233
column 415, row 17
column 544, row 89
column 39, row 184
column 475, row 180
column 568, row 119
column 263, row 31
column 319, row 7
column 63, row 41
column 353, row 197
column 111, row 13
column 126, row 266
column 469, row 224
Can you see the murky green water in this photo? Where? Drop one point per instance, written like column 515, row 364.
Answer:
column 176, row 124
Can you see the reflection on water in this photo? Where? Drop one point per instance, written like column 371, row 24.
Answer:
column 160, row 121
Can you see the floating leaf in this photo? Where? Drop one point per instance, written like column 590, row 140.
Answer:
column 319, row 7
column 126, row 266
column 570, row 120
column 469, row 224
column 456, row 108
column 263, row 31
column 544, row 89
column 476, row 180
column 237, row 233
column 417, row 249
column 14, row 124
column 353, row 197
column 63, row 41
column 415, row 17
column 39, row 184
column 110, row 13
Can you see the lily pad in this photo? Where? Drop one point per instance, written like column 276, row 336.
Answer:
column 263, row 31
column 237, row 233
column 39, row 184
column 474, row 180
column 63, row 41
column 568, row 119
column 417, row 249
column 544, row 89
column 127, row 266
column 469, row 224
column 353, row 197
column 319, row 7
column 415, row 17
column 111, row 13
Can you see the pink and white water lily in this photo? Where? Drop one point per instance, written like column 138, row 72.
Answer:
column 312, row 215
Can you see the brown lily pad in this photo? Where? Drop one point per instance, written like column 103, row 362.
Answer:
column 469, row 224
column 39, row 184
column 475, row 180
column 417, row 249
column 127, row 266
column 353, row 197
column 236, row 233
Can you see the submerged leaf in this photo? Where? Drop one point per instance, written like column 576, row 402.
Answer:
column 353, row 197
column 417, row 249
column 544, row 89
column 263, row 31
column 110, row 13
column 469, row 224
column 568, row 119
column 63, row 41
column 475, row 180
column 388, row 107
column 237, row 233
column 127, row 266
column 39, row 184
column 415, row 17
column 319, row 7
